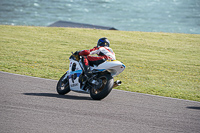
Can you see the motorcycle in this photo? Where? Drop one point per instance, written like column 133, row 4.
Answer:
column 99, row 85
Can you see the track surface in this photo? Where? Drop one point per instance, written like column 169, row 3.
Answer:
column 30, row 105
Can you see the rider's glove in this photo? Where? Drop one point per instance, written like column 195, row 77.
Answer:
column 76, row 55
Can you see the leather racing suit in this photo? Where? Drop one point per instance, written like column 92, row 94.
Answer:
column 104, row 53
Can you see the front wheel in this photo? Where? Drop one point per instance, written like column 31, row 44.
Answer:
column 98, row 92
column 63, row 85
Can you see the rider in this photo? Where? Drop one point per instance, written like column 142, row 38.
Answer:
column 103, row 51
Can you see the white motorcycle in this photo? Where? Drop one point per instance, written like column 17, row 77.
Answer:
column 99, row 85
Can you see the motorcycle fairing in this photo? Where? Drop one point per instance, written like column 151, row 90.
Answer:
column 74, row 74
column 114, row 67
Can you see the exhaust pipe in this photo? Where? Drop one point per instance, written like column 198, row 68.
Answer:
column 117, row 83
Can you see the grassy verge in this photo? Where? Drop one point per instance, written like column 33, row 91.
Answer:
column 162, row 64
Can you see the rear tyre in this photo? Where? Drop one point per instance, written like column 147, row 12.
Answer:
column 63, row 86
column 101, row 91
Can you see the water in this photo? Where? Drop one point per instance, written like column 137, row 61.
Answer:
column 175, row 16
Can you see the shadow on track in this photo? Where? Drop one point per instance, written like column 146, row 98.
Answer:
column 59, row 96
column 197, row 108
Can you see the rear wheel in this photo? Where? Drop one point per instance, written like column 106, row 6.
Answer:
column 63, row 85
column 104, row 87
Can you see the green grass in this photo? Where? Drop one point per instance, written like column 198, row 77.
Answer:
column 162, row 64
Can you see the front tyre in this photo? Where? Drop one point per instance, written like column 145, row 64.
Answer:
column 63, row 85
column 98, row 92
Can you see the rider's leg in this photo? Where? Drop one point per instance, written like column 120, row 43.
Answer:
column 93, row 60
column 86, row 66
column 90, row 61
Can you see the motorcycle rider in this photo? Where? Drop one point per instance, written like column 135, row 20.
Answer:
column 103, row 51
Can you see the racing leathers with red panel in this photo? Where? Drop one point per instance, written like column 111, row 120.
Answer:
column 103, row 51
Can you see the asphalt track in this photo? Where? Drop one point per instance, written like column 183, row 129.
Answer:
column 31, row 105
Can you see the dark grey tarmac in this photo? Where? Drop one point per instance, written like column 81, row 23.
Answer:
column 32, row 105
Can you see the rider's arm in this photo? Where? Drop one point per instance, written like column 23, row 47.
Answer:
column 95, row 50
column 84, row 52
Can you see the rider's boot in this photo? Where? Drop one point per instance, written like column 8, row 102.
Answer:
column 87, row 71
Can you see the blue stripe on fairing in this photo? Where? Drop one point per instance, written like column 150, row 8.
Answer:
column 123, row 65
column 101, row 69
column 78, row 72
